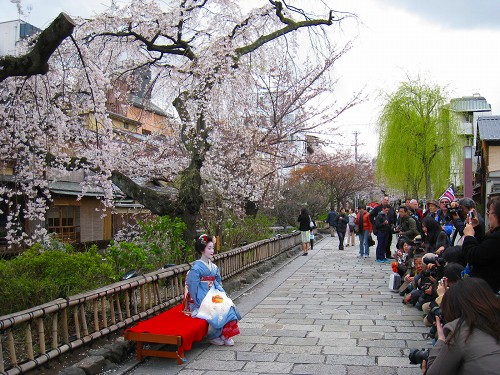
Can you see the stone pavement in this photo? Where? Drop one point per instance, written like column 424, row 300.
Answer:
column 327, row 313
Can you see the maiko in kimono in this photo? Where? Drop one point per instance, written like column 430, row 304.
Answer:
column 207, row 299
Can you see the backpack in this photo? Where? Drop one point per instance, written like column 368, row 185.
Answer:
column 417, row 221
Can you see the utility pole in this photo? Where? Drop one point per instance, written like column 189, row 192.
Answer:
column 355, row 145
column 356, row 197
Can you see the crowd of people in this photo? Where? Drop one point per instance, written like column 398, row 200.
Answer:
column 449, row 265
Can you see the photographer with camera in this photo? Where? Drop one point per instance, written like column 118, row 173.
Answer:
column 483, row 252
column 383, row 233
column 434, row 268
column 407, row 225
column 391, row 217
column 470, row 342
column 443, row 216
column 422, row 289
column 451, row 274
column 460, row 211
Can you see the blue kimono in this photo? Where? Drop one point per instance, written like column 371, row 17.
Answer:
column 201, row 278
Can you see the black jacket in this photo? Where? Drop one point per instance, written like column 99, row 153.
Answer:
column 304, row 223
column 484, row 257
column 342, row 221
column 380, row 225
column 391, row 215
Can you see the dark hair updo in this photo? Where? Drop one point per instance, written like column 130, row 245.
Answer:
column 202, row 242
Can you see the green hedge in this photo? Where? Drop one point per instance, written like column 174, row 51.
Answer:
column 39, row 275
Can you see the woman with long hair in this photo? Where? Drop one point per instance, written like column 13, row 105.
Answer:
column 435, row 239
column 305, row 229
column 470, row 342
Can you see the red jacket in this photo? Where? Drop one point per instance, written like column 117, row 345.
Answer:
column 367, row 225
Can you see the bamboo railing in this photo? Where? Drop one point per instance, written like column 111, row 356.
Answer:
column 32, row 337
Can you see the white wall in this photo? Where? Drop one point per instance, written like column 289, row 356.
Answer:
column 9, row 36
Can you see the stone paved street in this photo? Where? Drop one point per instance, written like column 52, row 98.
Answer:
column 327, row 313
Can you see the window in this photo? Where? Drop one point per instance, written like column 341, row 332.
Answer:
column 64, row 222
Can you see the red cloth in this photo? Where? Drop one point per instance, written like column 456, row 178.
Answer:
column 230, row 329
column 174, row 322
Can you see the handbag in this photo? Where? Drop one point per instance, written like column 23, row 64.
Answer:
column 311, row 223
column 371, row 241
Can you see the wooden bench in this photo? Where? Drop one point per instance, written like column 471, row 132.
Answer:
column 172, row 327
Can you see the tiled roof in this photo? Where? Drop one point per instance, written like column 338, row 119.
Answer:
column 489, row 128
column 469, row 104
column 147, row 105
column 73, row 188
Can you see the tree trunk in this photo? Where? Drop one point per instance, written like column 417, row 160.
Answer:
column 190, row 198
column 427, row 182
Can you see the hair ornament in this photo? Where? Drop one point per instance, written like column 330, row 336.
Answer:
column 203, row 239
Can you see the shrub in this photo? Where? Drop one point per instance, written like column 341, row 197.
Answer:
column 40, row 275
column 157, row 243
column 250, row 229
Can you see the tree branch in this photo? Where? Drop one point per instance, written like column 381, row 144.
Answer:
column 158, row 203
column 290, row 27
column 36, row 61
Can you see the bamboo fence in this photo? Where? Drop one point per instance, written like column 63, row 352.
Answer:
column 32, row 337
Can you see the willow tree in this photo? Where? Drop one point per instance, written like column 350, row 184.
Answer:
column 417, row 139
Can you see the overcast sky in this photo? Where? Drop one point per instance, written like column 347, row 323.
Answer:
column 452, row 43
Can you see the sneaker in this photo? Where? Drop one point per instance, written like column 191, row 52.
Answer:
column 229, row 342
column 217, row 341
column 366, row 256
column 385, row 260
column 379, row 261
column 359, row 256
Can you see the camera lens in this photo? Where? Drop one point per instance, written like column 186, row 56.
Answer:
column 417, row 356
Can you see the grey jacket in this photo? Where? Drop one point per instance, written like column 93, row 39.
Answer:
column 479, row 355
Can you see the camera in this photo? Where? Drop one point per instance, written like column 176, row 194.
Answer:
column 435, row 273
column 471, row 215
column 418, row 355
column 426, row 285
column 435, row 311
column 439, row 262
column 419, row 247
column 431, row 318
column 452, row 211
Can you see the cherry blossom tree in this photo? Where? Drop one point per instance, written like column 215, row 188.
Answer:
column 240, row 84
column 339, row 178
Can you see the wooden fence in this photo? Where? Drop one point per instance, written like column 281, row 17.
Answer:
column 32, row 337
